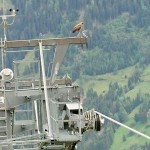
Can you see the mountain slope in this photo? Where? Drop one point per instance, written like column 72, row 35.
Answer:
column 123, row 138
column 115, row 65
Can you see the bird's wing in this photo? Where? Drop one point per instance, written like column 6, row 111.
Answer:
column 77, row 27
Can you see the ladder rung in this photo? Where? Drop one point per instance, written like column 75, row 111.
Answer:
column 4, row 146
column 1, row 136
column 2, row 118
column 3, row 129
column 27, row 149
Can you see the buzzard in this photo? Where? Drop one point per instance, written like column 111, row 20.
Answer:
column 77, row 27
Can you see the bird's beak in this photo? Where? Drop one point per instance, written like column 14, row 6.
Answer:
column 83, row 26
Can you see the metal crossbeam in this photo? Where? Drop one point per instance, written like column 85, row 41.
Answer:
column 45, row 42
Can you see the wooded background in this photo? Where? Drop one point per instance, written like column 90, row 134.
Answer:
column 114, row 71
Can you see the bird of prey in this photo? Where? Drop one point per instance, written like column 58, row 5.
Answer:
column 77, row 27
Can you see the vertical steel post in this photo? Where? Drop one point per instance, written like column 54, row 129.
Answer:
column 80, row 120
column 36, row 116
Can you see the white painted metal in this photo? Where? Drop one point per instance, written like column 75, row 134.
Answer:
column 74, row 106
column 80, row 107
column 60, row 52
column 36, row 116
column 6, row 74
column 45, row 90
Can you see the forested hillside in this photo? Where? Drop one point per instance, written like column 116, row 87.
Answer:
column 114, row 70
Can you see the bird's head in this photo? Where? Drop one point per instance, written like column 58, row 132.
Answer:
column 82, row 24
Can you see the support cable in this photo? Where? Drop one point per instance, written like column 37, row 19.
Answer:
column 125, row 126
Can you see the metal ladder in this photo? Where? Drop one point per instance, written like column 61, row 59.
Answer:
column 3, row 129
column 5, row 122
column 3, row 125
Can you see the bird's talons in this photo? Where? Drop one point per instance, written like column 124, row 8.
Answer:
column 83, row 34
